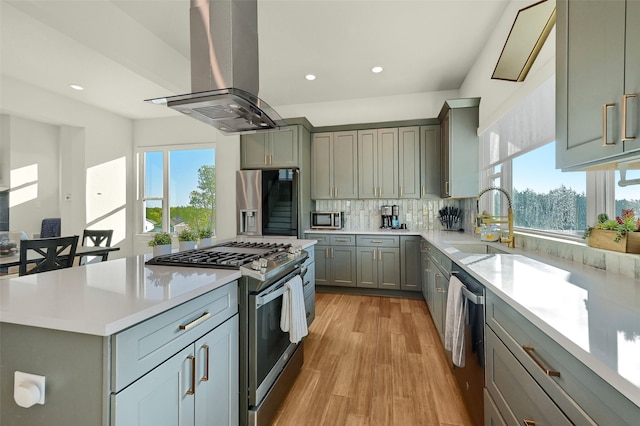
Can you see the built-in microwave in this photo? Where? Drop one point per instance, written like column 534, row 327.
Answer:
column 327, row 220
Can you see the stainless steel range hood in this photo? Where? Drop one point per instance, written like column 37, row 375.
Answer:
column 224, row 69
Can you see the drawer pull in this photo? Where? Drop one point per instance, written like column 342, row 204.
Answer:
column 530, row 350
column 625, row 98
column 605, row 131
column 192, row 390
column 342, row 240
column 205, row 378
column 376, row 241
column 529, row 422
column 195, row 322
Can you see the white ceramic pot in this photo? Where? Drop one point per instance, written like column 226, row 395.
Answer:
column 187, row 245
column 162, row 249
column 205, row 242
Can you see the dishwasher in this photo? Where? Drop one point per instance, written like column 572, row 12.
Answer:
column 470, row 378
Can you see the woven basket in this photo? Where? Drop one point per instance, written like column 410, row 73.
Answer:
column 600, row 238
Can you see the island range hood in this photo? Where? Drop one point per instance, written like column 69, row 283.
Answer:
column 224, row 69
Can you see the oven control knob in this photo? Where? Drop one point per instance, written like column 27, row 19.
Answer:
column 263, row 263
column 255, row 265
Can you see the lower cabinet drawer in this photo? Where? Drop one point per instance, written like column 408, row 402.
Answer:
column 141, row 348
column 310, row 308
column 518, row 397
column 378, row 241
column 492, row 416
column 583, row 396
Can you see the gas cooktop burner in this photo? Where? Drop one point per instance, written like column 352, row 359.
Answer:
column 229, row 255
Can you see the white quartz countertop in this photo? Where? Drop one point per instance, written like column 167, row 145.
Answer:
column 593, row 314
column 374, row 231
column 103, row 298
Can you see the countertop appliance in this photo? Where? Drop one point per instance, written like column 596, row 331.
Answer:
column 268, row 202
column 327, row 220
column 269, row 362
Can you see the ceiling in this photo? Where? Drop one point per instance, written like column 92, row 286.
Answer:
column 125, row 51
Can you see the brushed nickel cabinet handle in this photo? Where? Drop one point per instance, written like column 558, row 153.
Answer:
column 374, row 254
column 205, row 378
column 529, row 349
column 266, row 160
column 605, row 112
column 529, row 422
column 625, row 99
column 195, row 322
column 401, row 191
column 332, row 252
column 192, row 390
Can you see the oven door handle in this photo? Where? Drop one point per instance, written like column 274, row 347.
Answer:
column 263, row 300
column 476, row 299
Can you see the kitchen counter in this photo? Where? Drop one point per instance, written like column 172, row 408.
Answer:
column 593, row 314
column 364, row 231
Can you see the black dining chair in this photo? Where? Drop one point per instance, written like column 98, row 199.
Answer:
column 50, row 227
column 46, row 254
column 96, row 238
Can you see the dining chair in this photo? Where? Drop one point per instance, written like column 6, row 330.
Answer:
column 96, row 238
column 46, row 254
column 50, row 227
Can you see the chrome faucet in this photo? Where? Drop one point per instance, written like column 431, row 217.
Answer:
column 488, row 219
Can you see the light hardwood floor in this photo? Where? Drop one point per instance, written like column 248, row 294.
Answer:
column 373, row 361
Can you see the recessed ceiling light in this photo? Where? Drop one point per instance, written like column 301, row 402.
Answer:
column 376, row 70
column 310, row 77
column 76, row 87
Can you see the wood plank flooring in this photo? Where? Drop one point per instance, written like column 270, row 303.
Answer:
column 373, row 361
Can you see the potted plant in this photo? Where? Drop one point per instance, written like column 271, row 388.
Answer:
column 205, row 237
column 618, row 235
column 161, row 243
column 187, row 239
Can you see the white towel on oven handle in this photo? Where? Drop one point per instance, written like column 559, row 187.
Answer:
column 454, row 321
column 294, row 317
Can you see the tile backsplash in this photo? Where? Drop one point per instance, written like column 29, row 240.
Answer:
column 417, row 214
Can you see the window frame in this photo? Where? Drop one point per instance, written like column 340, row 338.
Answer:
column 166, row 180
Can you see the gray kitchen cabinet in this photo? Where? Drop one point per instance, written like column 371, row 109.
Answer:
column 198, row 385
column 409, row 158
column 378, row 262
column 378, row 163
column 335, row 259
column 597, row 64
column 459, row 148
column 518, row 352
column 334, row 165
column 309, row 286
column 410, row 270
column 271, row 149
column 492, row 416
column 430, row 161
column 438, row 270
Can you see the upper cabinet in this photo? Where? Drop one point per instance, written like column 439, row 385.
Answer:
column 378, row 163
column 459, row 148
column 598, row 82
column 429, row 161
column 409, row 162
column 273, row 150
column 334, row 165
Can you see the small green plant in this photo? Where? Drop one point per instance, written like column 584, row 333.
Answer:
column 622, row 224
column 160, row 239
column 187, row 235
column 205, row 233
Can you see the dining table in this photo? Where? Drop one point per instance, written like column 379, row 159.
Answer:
column 7, row 261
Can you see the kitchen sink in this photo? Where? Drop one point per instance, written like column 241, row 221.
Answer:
column 480, row 248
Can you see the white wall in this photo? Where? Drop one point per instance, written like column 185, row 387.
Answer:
column 91, row 142
column 188, row 131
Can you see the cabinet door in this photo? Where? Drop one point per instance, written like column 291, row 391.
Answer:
column 410, row 273
column 632, row 76
column 387, row 172
column 343, row 260
column 590, row 53
column 283, row 148
column 322, row 166
column 367, row 164
column 254, row 150
column 163, row 397
column 367, row 267
column 217, row 376
column 409, row 162
column 430, row 161
column 389, row 268
column 445, row 147
column 441, row 286
column 323, row 265
column 345, row 165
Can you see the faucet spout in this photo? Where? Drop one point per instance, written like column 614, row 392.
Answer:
column 510, row 240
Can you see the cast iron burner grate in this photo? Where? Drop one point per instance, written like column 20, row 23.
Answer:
column 229, row 255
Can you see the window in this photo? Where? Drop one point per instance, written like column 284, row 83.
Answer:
column 627, row 197
column 544, row 198
column 179, row 188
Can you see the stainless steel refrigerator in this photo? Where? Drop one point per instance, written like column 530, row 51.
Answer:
column 270, row 203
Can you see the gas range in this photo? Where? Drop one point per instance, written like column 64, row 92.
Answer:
column 261, row 261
